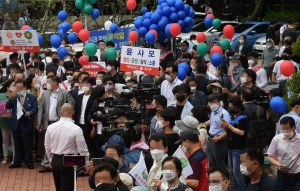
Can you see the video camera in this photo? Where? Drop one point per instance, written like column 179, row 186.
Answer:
column 142, row 92
column 114, row 130
column 261, row 101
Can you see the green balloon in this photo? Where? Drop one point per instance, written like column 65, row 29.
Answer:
column 88, row 9
column 225, row 44
column 91, row 49
column 216, row 23
column 111, row 54
column 109, row 39
column 92, row 2
column 202, row 49
column 79, row 4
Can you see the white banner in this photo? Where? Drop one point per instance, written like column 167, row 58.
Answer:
column 186, row 167
column 19, row 110
column 139, row 172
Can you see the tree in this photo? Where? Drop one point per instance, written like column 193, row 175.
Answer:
column 255, row 13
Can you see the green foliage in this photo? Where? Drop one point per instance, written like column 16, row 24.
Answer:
column 283, row 15
column 244, row 19
column 293, row 89
column 296, row 47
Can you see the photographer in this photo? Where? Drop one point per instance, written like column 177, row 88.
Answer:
column 99, row 95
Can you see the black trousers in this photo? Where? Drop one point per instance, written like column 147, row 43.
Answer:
column 63, row 176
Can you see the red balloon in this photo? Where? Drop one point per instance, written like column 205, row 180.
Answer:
column 83, row 60
column 287, row 68
column 154, row 32
column 131, row 4
column 77, row 26
column 25, row 27
column 216, row 49
column 84, row 35
column 133, row 36
column 211, row 16
column 201, row 37
column 175, row 29
column 228, row 31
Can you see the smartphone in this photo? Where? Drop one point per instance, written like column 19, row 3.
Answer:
column 285, row 169
column 96, row 161
column 74, row 160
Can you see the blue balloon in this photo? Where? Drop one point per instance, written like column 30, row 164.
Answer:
column 62, row 52
column 55, row 41
column 179, row 5
column 142, row 32
column 163, row 5
column 150, row 38
column 153, row 27
column 59, row 27
column 167, row 30
column 186, row 29
column 40, row 39
column 192, row 13
column 185, row 66
column 95, row 14
column 72, row 38
column 181, row 15
column 161, row 1
column 158, row 7
column 188, row 21
column 165, row 18
column 166, row 11
column 139, row 18
column 162, row 25
column 147, row 15
column 29, row 29
column 147, row 23
column 174, row 17
column 216, row 59
column 159, row 12
column 181, row 23
column 144, row 10
column 181, row 74
column 114, row 27
column 61, row 34
column 278, row 104
column 134, row 29
column 62, row 15
column 155, row 18
column 193, row 23
column 173, row 9
column 187, row 9
column 171, row 3
column 138, row 24
column 66, row 27
column 208, row 22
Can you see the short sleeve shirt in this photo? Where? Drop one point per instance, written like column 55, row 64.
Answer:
column 269, row 56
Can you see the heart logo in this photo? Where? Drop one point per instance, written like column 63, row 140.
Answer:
column 18, row 34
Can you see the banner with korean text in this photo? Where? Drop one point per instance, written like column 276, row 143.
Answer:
column 20, row 40
column 3, row 111
column 93, row 68
column 142, row 59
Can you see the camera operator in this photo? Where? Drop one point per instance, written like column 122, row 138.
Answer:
column 99, row 95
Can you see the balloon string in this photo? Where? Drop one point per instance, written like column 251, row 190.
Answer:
column 85, row 21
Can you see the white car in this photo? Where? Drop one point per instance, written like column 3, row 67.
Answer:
column 260, row 45
column 210, row 33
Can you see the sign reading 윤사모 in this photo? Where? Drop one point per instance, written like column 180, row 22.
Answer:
column 142, row 59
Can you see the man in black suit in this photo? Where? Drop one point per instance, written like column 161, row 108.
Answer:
column 242, row 49
column 77, row 91
column 83, row 106
column 247, row 95
column 271, row 30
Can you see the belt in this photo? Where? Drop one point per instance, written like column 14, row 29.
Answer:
column 212, row 136
column 290, row 174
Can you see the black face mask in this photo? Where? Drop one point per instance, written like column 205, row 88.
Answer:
column 231, row 111
column 100, row 100
column 285, row 57
column 180, row 98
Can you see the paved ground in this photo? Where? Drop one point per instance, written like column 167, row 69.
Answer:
column 23, row 179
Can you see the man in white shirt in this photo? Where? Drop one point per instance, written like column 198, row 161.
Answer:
column 261, row 75
column 277, row 75
column 66, row 85
column 170, row 82
column 40, row 73
column 48, row 58
column 282, row 29
column 50, row 104
column 79, row 91
column 64, row 138
column 101, row 44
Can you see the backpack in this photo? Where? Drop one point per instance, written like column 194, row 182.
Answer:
column 258, row 134
column 147, row 157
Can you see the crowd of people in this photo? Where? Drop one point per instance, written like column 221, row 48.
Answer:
column 219, row 117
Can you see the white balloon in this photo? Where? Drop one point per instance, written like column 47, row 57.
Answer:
column 107, row 25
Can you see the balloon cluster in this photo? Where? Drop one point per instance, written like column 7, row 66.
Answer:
column 170, row 18
column 39, row 37
column 87, row 7
column 183, row 70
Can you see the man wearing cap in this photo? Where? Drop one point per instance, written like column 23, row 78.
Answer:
column 198, row 159
column 189, row 123
column 261, row 75
column 268, row 59
column 236, row 73
column 166, row 55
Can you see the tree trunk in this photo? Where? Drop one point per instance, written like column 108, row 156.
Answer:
column 218, row 12
column 282, row 5
column 233, row 10
column 255, row 13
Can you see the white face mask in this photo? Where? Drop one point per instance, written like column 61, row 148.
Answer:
column 193, row 89
column 234, row 65
column 216, row 90
column 250, row 62
column 244, row 170
column 216, row 187
column 157, row 154
column 98, row 82
column 159, row 125
column 193, row 67
column 108, row 68
column 49, row 87
column 69, row 78
column 21, row 93
column 37, row 86
column 67, row 59
column 287, row 134
column 101, row 47
column 85, row 89
column 168, row 77
column 243, row 80
column 184, row 149
column 168, row 174
column 127, row 78
column 241, row 41
column 214, row 107
column 268, row 45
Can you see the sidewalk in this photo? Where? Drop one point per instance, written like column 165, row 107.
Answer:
column 23, row 179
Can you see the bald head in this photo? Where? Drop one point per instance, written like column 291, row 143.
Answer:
column 67, row 110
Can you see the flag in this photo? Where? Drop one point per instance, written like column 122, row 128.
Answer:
column 139, row 172
column 186, row 167
column 19, row 110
